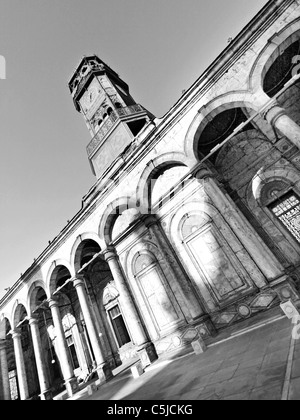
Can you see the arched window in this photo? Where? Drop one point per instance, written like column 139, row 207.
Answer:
column 287, row 210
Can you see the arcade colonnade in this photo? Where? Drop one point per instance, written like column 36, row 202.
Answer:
column 211, row 237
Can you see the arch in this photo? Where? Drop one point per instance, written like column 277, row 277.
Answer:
column 116, row 208
column 276, row 44
column 230, row 100
column 5, row 326
column 33, row 293
column 19, row 307
column 109, row 294
column 51, row 276
column 142, row 260
column 259, row 181
column 153, row 168
column 205, row 207
column 281, row 179
column 79, row 243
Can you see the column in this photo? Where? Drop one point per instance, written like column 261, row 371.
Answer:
column 198, row 314
column 278, row 118
column 4, row 371
column 21, row 371
column 103, row 370
column 146, row 349
column 46, row 393
column 64, row 357
column 260, row 253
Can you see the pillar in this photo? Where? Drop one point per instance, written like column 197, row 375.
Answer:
column 277, row 117
column 260, row 253
column 103, row 370
column 4, row 371
column 64, row 358
column 146, row 349
column 46, row 393
column 21, row 371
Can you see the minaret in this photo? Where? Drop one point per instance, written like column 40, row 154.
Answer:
column 112, row 116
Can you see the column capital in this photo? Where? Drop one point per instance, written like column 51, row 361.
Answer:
column 273, row 112
column 204, row 173
column 33, row 320
column 110, row 254
column 149, row 220
column 53, row 302
column 16, row 334
column 78, row 281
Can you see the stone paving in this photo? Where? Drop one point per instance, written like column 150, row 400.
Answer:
column 251, row 366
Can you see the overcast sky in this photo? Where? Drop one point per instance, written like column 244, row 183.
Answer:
column 159, row 47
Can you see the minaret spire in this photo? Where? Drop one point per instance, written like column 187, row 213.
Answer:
column 112, row 116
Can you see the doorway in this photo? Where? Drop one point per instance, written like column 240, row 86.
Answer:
column 119, row 326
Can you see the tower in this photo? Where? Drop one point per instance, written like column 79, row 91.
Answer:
column 112, row 116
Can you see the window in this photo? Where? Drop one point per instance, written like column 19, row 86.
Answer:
column 119, row 326
column 287, row 210
column 13, row 382
column 73, row 353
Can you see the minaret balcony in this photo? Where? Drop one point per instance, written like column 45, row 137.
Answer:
column 126, row 115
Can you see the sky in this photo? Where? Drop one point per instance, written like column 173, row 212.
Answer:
column 158, row 47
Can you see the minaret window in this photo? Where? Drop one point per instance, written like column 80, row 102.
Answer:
column 287, row 211
column 83, row 71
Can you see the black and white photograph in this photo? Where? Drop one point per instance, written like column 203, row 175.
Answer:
column 149, row 203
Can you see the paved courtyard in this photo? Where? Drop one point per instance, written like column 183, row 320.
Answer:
column 260, row 364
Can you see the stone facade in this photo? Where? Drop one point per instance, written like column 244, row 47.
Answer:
column 193, row 223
